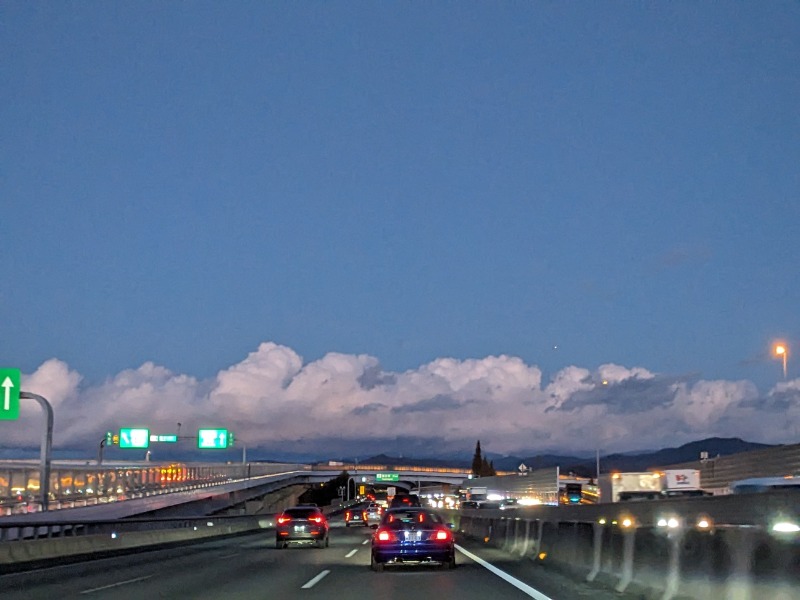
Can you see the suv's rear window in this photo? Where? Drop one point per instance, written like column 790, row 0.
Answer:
column 396, row 519
column 302, row 513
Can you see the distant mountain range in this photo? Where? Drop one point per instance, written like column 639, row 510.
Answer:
column 586, row 467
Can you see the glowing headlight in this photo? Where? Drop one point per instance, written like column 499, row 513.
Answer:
column 703, row 523
column 785, row 527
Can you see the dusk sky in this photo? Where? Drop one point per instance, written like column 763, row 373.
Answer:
column 329, row 225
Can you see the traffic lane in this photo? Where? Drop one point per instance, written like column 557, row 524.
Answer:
column 251, row 567
column 553, row 583
column 212, row 569
column 494, row 573
column 469, row 581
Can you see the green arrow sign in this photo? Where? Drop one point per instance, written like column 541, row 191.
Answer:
column 134, row 438
column 9, row 394
column 212, row 438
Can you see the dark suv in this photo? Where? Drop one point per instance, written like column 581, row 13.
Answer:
column 303, row 525
column 405, row 501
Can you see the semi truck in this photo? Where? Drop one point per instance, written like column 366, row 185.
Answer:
column 649, row 485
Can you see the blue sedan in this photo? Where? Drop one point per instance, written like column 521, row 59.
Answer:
column 415, row 536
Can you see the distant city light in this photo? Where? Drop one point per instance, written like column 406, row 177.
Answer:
column 781, row 351
column 785, row 527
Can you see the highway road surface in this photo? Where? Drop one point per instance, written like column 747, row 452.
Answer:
column 250, row 567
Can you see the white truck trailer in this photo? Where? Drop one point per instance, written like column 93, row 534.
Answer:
column 649, row 485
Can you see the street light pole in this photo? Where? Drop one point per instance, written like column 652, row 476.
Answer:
column 782, row 351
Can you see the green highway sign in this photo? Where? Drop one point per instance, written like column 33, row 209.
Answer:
column 387, row 477
column 9, row 394
column 170, row 437
column 212, row 438
column 132, row 437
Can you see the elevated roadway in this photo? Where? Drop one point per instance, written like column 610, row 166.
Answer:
column 120, row 490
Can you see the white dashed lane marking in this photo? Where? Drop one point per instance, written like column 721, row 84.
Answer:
column 312, row 582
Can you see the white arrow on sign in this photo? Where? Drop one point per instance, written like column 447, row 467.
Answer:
column 8, row 384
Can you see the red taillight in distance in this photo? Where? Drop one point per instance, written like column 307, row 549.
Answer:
column 283, row 519
column 441, row 535
column 315, row 519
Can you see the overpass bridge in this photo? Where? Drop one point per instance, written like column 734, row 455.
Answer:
column 123, row 489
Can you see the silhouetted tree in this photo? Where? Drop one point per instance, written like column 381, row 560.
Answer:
column 477, row 460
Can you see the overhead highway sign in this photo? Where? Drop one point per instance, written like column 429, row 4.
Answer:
column 131, row 437
column 9, row 394
column 212, row 438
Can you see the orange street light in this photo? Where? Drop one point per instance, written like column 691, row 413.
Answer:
column 782, row 351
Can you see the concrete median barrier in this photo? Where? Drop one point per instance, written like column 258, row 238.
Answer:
column 19, row 552
column 631, row 549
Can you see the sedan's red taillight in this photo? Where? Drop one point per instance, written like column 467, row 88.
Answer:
column 384, row 535
column 441, row 535
column 282, row 519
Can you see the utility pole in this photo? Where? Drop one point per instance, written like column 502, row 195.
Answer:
column 598, row 467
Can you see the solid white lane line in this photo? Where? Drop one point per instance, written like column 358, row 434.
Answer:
column 524, row 587
column 353, row 551
column 365, row 542
column 311, row 583
column 113, row 585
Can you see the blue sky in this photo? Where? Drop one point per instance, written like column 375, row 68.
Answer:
column 570, row 184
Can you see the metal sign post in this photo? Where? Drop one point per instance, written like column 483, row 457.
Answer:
column 47, row 446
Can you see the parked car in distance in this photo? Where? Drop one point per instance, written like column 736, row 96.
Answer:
column 412, row 535
column 302, row 525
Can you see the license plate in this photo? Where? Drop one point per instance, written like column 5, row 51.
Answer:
column 413, row 536
column 299, row 528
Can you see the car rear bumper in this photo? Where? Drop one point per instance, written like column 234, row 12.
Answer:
column 416, row 554
column 299, row 536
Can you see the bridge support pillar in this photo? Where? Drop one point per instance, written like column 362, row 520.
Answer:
column 597, row 551
column 628, row 544
column 674, row 568
column 740, row 584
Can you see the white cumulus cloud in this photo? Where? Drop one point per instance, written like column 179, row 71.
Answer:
column 273, row 399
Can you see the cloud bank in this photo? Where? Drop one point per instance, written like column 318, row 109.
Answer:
column 341, row 402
